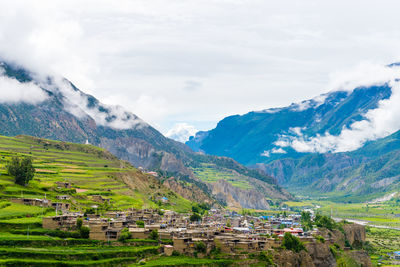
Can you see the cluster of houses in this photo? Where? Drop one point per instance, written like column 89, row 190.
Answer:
column 224, row 230
column 229, row 232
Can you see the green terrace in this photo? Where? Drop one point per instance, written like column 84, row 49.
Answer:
column 211, row 173
column 90, row 170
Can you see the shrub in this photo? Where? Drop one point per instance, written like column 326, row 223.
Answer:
column 154, row 234
column 320, row 238
column 79, row 223
column 140, row 224
column 124, row 235
column 175, row 253
column 264, row 256
column 21, row 169
column 89, row 211
column 334, row 251
column 347, row 243
column 200, row 247
column 325, row 221
column 292, row 242
column 195, row 209
column 195, row 217
column 84, row 231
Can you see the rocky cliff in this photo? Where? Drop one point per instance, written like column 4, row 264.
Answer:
column 355, row 234
column 235, row 197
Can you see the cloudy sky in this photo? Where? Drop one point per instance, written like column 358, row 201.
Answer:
column 190, row 63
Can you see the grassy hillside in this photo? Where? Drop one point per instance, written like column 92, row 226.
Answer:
column 91, row 170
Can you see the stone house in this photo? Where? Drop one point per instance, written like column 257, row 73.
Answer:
column 32, row 202
column 64, row 185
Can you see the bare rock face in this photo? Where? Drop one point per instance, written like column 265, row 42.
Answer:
column 361, row 257
column 287, row 258
column 355, row 233
column 320, row 254
column 238, row 197
column 187, row 191
column 335, row 236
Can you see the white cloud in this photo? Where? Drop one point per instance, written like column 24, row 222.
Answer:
column 278, row 151
column 12, row 91
column 107, row 115
column 377, row 123
column 266, row 153
column 275, row 150
column 246, row 55
column 362, row 75
column 181, row 132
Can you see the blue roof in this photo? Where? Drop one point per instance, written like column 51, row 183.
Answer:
column 397, row 253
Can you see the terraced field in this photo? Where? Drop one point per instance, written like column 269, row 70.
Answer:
column 91, row 171
column 211, row 173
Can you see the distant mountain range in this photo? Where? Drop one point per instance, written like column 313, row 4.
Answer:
column 306, row 146
column 52, row 107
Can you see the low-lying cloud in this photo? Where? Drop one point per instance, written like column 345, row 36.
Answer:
column 12, row 91
column 181, row 132
column 78, row 104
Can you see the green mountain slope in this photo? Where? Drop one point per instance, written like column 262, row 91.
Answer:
column 91, row 170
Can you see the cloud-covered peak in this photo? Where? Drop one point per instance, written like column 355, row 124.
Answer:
column 375, row 123
column 13, row 91
column 181, row 132
column 19, row 85
column 80, row 104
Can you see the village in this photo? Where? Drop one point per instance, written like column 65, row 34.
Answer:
column 228, row 231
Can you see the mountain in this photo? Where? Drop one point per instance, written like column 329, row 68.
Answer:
column 306, row 146
column 364, row 174
column 252, row 138
column 52, row 107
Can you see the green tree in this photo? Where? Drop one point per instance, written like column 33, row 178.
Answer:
column 306, row 220
column 154, row 234
column 292, row 242
column 196, row 209
column 84, row 231
column 140, row 224
column 201, row 247
column 124, row 235
column 325, row 222
column 195, row 217
column 21, row 169
column 79, row 223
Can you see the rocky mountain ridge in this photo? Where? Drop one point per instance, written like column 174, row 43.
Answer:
column 334, row 143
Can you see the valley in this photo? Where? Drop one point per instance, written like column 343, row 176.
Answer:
column 117, row 173
column 74, row 181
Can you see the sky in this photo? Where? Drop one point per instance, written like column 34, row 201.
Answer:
column 186, row 64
